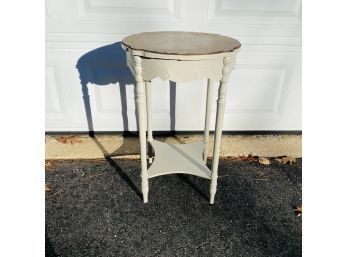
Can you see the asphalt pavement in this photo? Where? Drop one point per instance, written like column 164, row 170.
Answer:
column 94, row 208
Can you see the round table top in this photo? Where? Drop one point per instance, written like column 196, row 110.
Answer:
column 181, row 43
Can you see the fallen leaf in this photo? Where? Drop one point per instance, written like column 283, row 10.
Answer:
column 298, row 211
column 264, row 161
column 248, row 158
column 286, row 160
column 261, row 176
column 69, row 139
column 48, row 165
column 47, row 188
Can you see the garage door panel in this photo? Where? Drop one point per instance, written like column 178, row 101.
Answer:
column 83, row 49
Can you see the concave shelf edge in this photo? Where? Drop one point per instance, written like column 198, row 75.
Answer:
column 178, row 158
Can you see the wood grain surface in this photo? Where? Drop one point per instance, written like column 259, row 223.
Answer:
column 181, row 43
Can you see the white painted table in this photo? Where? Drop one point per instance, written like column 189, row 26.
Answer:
column 179, row 57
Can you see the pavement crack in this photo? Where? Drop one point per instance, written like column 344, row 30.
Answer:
column 201, row 245
column 58, row 191
column 223, row 176
column 181, row 247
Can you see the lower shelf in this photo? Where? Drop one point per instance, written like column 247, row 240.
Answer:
column 178, row 158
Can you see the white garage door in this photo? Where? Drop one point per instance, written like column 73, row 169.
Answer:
column 83, row 51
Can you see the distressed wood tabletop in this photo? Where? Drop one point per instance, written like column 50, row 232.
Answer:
column 181, row 43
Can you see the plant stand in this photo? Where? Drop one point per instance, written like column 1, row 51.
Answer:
column 179, row 57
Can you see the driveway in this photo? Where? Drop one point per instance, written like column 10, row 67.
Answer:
column 94, row 208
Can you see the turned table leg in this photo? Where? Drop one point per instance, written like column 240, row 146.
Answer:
column 207, row 119
column 218, row 125
column 140, row 100
column 148, row 89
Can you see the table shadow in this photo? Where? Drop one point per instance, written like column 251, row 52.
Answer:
column 104, row 66
column 108, row 65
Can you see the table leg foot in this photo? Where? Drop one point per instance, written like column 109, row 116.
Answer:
column 212, row 196
column 145, row 195
column 213, row 186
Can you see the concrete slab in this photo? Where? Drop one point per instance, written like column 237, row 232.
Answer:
column 128, row 147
